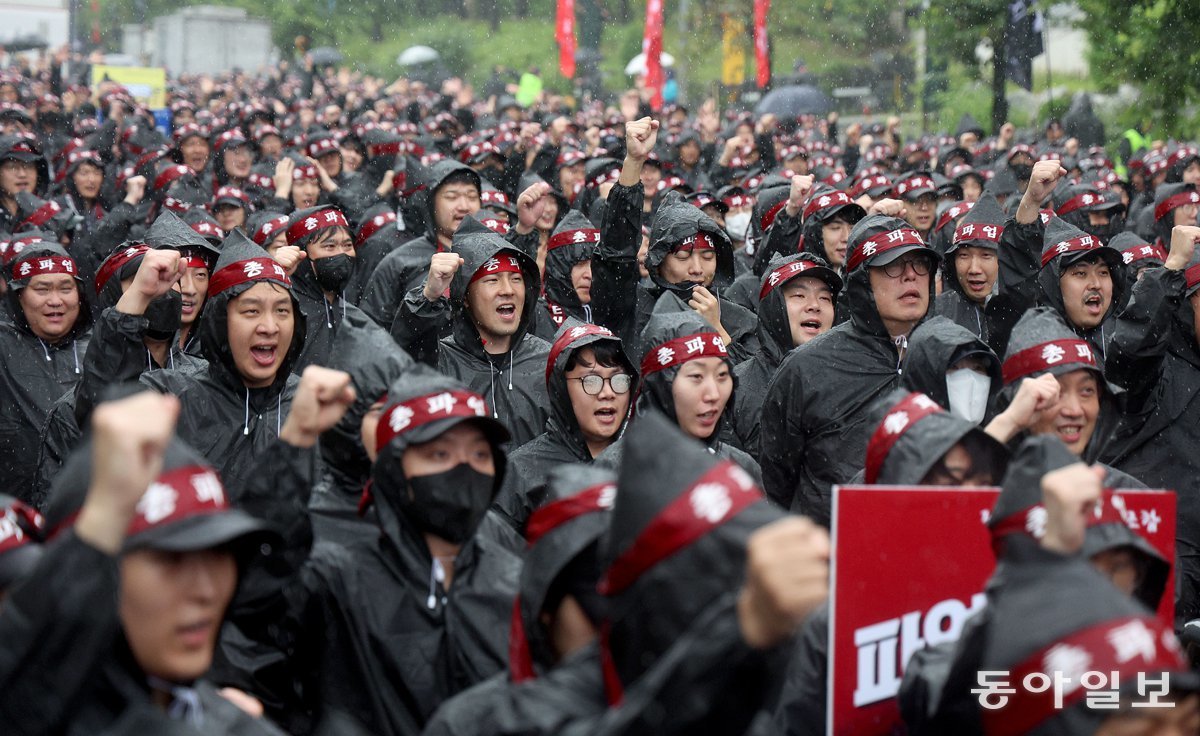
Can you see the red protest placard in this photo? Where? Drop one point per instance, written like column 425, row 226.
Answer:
column 909, row 567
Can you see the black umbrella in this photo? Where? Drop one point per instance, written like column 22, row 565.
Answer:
column 24, row 43
column 796, row 100
column 325, row 55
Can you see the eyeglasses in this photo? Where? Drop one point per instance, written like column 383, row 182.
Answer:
column 593, row 384
column 920, row 266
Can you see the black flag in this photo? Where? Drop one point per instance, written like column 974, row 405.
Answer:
column 1023, row 41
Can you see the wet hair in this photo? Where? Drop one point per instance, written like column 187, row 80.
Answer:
column 608, row 355
column 460, row 177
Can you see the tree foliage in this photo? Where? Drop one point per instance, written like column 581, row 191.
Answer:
column 955, row 28
column 1151, row 44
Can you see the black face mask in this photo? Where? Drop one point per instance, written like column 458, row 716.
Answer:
column 333, row 272
column 1104, row 233
column 165, row 316
column 684, row 289
column 449, row 505
column 1022, row 171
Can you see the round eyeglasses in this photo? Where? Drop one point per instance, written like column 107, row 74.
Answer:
column 593, row 384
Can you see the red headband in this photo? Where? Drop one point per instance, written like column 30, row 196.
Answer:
column 18, row 517
column 976, row 231
column 870, row 183
column 116, row 262
column 959, row 209
column 556, row 513
column 76, row 157
column 421, row 410
column 393, row 148
column 44, row 265
column 834, row 199
column 1046, row 355
column 207, row 228
column 574, row 237
column 41, row 215
column 495, row 265
column 783, row 274
column 1083, row 242
column 316, row 149
column 15, row 247
column 699, row 241
column 564, row 341
column 500, row 227
column 170, row 174
column 314, row 222
column 735, row 200
column 179, row 494
column 250, row 269
column 1087, row 199
column 176, row 205
column 1176, row 200
column 268, row 229
column 262, row 181
column 1129, row 645
column 914, row 408
column 188, row 130
column 882, row 243
column 228, row 137
column 714, row 498
column 304, row 172
column 195, row 262
column 374, row 225
column 769, row 216
column 1133, row 255
column 232, row 193
column 682, row 349
column 494, row 196
column 1031, row 520
column 916, row 182
column 612, row 175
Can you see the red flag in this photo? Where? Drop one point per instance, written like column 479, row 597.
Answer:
column 762, row 58
column 652, row 48
column 564, row 34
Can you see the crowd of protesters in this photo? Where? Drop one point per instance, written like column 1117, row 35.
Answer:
column 345, row 407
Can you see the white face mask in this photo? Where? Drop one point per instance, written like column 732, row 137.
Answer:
column 738, row 225
column 968, row 392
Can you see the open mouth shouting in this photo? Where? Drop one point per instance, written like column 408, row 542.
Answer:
column 1093, row 304
column 607, row 416
column 811, row 326
column 264, row 354
column 507, row 312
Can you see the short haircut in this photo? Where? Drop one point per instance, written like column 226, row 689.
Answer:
column 608, row 355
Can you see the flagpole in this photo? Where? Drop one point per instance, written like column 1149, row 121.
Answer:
column 1046, row 51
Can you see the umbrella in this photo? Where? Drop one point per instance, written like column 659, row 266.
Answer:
column 24, row 43
column 414, row 55
column 637, row 65
column 801, row 99
column 326, row 55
